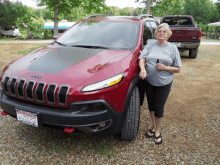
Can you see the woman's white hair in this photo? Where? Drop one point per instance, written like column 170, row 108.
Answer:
column 166, row 26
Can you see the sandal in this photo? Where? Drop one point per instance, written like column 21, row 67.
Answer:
column 158, row 137
column 150, row 134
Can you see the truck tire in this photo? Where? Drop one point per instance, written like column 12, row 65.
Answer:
column 193, row 53
column 131, row 124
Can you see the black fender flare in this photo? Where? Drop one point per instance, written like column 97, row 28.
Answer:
column 123, row 114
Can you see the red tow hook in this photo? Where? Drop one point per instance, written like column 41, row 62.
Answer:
column 4, row 113
column 69, row 130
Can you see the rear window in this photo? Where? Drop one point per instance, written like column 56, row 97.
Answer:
column 186, row 21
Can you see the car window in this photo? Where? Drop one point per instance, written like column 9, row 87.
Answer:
column 187, row 21
column 113, row 35
column 154, row 26
column 147, row 34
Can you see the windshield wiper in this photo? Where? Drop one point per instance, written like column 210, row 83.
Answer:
column 90, row 46
column 59, row 43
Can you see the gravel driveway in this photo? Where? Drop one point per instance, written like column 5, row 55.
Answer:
column 191, row 125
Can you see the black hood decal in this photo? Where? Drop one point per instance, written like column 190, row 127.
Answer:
column 60, row 59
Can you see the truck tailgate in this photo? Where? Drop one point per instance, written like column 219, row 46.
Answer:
column 185, row 34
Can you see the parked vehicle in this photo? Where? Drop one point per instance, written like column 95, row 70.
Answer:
column 13, row 32
column 62, row 26
column 86, row 81
column 186, row 35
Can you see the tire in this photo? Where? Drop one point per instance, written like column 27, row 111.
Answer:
column 131, row 124
column 193, row 53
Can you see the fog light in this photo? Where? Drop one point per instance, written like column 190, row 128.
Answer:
column 102, row 124
column 84, row 107
column 92, row 107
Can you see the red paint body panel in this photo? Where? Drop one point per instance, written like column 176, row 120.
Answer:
column 97, row 68
column 104, row 65
column 185, row 35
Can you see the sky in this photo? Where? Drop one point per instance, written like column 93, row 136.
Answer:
column 118, row 3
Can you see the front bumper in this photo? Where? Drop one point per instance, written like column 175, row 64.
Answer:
column 186, row 45
column 82, row 121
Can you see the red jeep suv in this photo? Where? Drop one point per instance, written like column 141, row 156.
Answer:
column 86, row 81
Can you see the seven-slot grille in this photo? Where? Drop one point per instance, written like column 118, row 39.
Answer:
column 21, row 88
column 29, row 90
column 39, row 92
column 17, row 88
column 12, row 86
column 5, row 84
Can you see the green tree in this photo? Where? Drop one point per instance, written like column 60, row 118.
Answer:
column 215, row 15
column 166, row 7
column 147, row 3
column 201, row 10
column 66, row 6
column 26, row 17
column 8, row 14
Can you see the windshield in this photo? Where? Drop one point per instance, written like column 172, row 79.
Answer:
column 106, row 34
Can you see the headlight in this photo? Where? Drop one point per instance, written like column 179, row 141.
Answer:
column 104, row 84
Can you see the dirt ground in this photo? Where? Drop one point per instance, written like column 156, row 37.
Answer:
column 190, row 128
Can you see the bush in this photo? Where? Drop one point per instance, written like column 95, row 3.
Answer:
column 204, row 27
column 23, row 32
column 36, row 27
column 212, row 36
column 47, row 33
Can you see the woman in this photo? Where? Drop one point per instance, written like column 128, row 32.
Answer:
column 158, row 61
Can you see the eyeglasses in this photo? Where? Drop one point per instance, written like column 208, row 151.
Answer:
column 162, row 31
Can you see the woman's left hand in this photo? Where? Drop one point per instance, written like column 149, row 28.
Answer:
column 161, row 66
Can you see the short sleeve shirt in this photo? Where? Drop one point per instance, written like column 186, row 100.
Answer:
column 167, row 54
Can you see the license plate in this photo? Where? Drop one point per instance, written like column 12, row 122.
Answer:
column 27, row 117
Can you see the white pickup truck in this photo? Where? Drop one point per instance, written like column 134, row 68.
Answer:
column 13, row 32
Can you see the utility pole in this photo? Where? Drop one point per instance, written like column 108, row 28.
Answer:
column 147, row 5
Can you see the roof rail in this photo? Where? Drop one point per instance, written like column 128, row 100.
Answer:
column 97, row 15
column 140, row 16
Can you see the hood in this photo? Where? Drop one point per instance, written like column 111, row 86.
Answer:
column 63, row 65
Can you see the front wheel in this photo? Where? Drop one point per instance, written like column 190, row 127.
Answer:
column 193, row 53
column 131, row 124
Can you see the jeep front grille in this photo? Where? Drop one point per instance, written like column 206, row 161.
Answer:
column 29, row 90
column 5, row 84
column 11, row 85
column 40, row 92
column 62, row 94
column 20, row 88
column 51, row 93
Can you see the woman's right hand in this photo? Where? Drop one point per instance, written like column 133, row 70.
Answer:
column 143, row 74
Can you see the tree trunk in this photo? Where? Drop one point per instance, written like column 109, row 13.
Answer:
column 56, row 19
column 148, row 6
